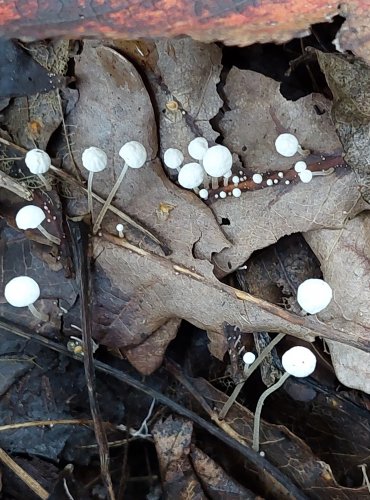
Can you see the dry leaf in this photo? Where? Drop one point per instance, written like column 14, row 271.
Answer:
column 345, row 262
column 283, row 449
column 259, row 218
column 172, row 440
column 116, row 94
column 349, row 81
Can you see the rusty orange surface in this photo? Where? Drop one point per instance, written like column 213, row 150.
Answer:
column 238, row 22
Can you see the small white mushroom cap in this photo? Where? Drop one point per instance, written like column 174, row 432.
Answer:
column 249, row 358
column 217, row 161
column 299, row 361
column 314, row 295
column 235, row 179
column 237, row 192
column 38, row 161
column 203, row 193
column 133, row 153
column 305, row 176
column 191, row 175
column 119, row 227
column 94, row 159
column 269, row 182
column 173, row 158
column 300, row 166
column 29, row 217
column 287, row 145
column 257, row 178
column 197, row 148
column 21, row 291
column 223, row 194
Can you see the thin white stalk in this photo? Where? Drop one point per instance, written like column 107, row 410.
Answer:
column 45, row 182
column 89, row 195
column 47, row 235
column 257, row 414
column 214, row 182
column 303, row 152
column 39, row 315
column 108, row 201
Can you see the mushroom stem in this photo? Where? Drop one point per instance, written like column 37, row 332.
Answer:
column 39, row 315
column 323, row 172
column 214, row 182
column 108, row 201
column 45, row 182
column 257, row 414
column 206, row 181
column 226, row 181
column 303, row 152
column 47, row 235
column 89, row 194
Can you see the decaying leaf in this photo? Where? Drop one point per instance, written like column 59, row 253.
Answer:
column 216, row 483
column 172, row 440
column 349, row 81
column 116, row 87
column 154, row 289
column 345, row 255
column 260, row 218
column 148, row 356
column 284, row 449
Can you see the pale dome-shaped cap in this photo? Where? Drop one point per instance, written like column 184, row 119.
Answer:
column 197, row 148
column 133, row 153
column 299, row 361
column 300, row 166
column 21, row 291
column 94, row 159
column 217, row 161
column 249, row 358
column 314, row 295
column 203, row 193
column 287, row 145
column 173, row 158
column 191, row 176
column 38, row 161
column 305, row 176
column 29, row 217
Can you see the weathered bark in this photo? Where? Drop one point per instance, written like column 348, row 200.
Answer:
column 239, row 22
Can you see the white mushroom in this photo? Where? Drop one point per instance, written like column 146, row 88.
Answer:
column 191, row 176
column 257, row 178
column 236, row 192
column 119, row 229
column 173, row 158
column 217, row 161
column 31, row 217
column 269, row 182
column 197, row 148
column 38, row 163
column 23, row 292
column 223, row 194
column 134, row 155
column 94, row 160
column 305, row 176
column 287, row 145
column 314, row 295
column 300, row 166
column 235, row 180
column 248, row 359
column 203, row 193
column 297, row 362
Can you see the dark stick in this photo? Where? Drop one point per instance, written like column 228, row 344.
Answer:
column 81, row 242
column 273, row 475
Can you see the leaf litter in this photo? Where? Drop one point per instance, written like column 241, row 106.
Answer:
column 163, row 94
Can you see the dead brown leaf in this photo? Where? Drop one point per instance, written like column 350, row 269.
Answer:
column 345, row 262
column 284, row 450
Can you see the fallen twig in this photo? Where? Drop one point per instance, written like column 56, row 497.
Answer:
column 14, row 186
column 81, row 246
column 23, row 475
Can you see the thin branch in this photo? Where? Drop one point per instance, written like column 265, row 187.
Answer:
column 81, row 246
column 11, row 184
column 23, row 475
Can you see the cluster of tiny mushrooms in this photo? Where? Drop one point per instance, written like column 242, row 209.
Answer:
column 213, row 165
